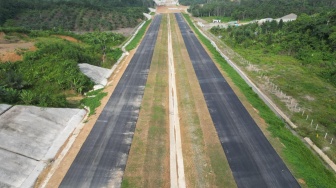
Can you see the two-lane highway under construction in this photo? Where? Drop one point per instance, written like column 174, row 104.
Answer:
column 101, row 160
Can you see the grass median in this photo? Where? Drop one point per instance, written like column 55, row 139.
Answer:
column 204, row 158
column 148, row 161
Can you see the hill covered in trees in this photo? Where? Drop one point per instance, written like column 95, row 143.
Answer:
column 299, row 57
column 73, row 15
column 256, row 9
column 310, row 39
column 49, row 75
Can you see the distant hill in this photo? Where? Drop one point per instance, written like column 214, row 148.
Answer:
column 256, row 9
column 73, row 15
column 190, row 2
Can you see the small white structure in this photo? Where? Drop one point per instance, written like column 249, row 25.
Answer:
column 232, row 23
column 200, row 24
column 216, row 21
column 264, row 20
column 287, row 18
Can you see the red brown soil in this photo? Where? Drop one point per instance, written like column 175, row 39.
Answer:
column 68, row 38
column 8, row 51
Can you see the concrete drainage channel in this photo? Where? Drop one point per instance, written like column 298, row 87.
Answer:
column 177, row 178
column 30, row 138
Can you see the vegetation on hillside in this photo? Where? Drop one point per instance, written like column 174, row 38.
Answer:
column 192, row 2
column 48, row 75
column 256, row 9
column 299, row 57
column 310, row 39
column 71, row 15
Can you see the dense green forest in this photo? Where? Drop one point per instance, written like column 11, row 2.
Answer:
column 47, row 76
column 192, row 2
column 256, row 9
column 90, row 15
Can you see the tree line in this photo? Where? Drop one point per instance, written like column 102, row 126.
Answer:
column 256, row 9
column 70, row 15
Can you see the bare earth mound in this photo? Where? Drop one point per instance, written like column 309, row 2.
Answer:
column 68, row 38
column 8, row 51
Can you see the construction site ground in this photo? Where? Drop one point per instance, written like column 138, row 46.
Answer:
column 148, row 164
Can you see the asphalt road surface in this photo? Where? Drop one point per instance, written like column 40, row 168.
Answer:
column 102, row 159
column 252, row 159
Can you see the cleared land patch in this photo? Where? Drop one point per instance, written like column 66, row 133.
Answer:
column 12, row 52
column 68, row 38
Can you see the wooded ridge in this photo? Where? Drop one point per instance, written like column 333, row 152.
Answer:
column 72, row 15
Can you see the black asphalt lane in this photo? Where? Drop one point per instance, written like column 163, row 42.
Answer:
column 252, row 159
column 102, row 159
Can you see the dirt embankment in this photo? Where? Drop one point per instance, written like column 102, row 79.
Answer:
column 68, row 38
column 12, row 51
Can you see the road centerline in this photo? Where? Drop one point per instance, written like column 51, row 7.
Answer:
column 177, row 176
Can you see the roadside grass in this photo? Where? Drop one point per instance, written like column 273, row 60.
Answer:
column 136, row 40
column 204, row 159
column 313, row 94
column 147, row 164
column 157, row 151
column 303, row 163
column 92, row 100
